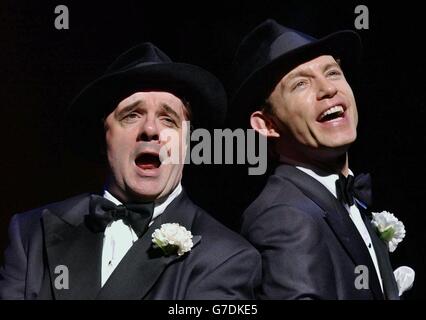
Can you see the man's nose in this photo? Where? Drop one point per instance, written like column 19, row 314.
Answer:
column 326, row 88
column 149, row 130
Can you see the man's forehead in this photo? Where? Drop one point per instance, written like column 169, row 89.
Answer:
column 318, row 62
column 143, row 97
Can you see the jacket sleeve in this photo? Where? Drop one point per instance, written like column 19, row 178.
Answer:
column 13, row 271
column 295, row 257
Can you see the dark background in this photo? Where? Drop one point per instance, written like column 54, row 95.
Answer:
column 42, row 69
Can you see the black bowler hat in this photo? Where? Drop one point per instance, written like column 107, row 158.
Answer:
column 270, row 51
column 142, row 68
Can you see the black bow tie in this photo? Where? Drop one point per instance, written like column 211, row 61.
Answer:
column 359, row 187
column 103, row 211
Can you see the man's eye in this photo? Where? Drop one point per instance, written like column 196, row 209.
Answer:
column 334, row 73
column 299, row 84
column 130, row 116
column 169, row 121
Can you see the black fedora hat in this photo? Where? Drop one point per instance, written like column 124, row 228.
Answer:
column 141, row 68
column 270, row 51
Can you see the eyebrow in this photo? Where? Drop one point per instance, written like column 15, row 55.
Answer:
column 130, row 107
column 304, row 73
column 168, row 109
column 300, row 73
column 164, row 107
column 331, row 65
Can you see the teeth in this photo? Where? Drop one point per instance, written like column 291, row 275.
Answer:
column 332, row 110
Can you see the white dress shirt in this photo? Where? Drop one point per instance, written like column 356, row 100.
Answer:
column 329, row 181
column 119, row 237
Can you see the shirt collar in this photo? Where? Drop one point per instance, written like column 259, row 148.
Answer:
column 159, row 205
column 326, row 179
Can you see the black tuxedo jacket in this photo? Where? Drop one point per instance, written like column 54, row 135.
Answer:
column 309, row 245
column 221, row 265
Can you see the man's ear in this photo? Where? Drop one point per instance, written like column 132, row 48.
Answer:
column 263, row 124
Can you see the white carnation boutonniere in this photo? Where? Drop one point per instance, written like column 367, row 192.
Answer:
column 172, row 238
column 389, row 228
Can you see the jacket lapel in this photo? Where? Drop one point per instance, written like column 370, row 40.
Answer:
column 70, row 245
column 390, row 286
column 143, row 265
column 337, row 218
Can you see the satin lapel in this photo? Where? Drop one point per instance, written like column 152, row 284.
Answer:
column 390, row 286
column 337, row 218
column 143, row 265
column 71, row 248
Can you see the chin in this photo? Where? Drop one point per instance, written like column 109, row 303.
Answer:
column 337, row 144
column 336, row 149
column 340, row 140
column 342, row 144
column 147, row 192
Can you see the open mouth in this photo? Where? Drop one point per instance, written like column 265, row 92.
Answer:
column 148, row 161
column 332, row 113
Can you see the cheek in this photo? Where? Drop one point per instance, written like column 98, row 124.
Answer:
column 173, row 145
column 355, row 107
column 175, row 173
column 294, row 116
column 118, row 145
column 354, row 110
column 300, row 105
column 113, row 143
column 183, row 144
column 355, row 117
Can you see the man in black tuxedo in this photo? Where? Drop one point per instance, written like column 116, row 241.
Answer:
column 311, row 228
column 101, row 246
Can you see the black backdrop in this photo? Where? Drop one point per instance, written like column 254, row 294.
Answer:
column 42, row 69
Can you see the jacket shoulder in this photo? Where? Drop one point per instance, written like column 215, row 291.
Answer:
column 30, row 217
column 283, row 197
column 278, row 191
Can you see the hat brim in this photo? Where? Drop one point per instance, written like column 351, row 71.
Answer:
column 345, row 45
column 84, row 128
